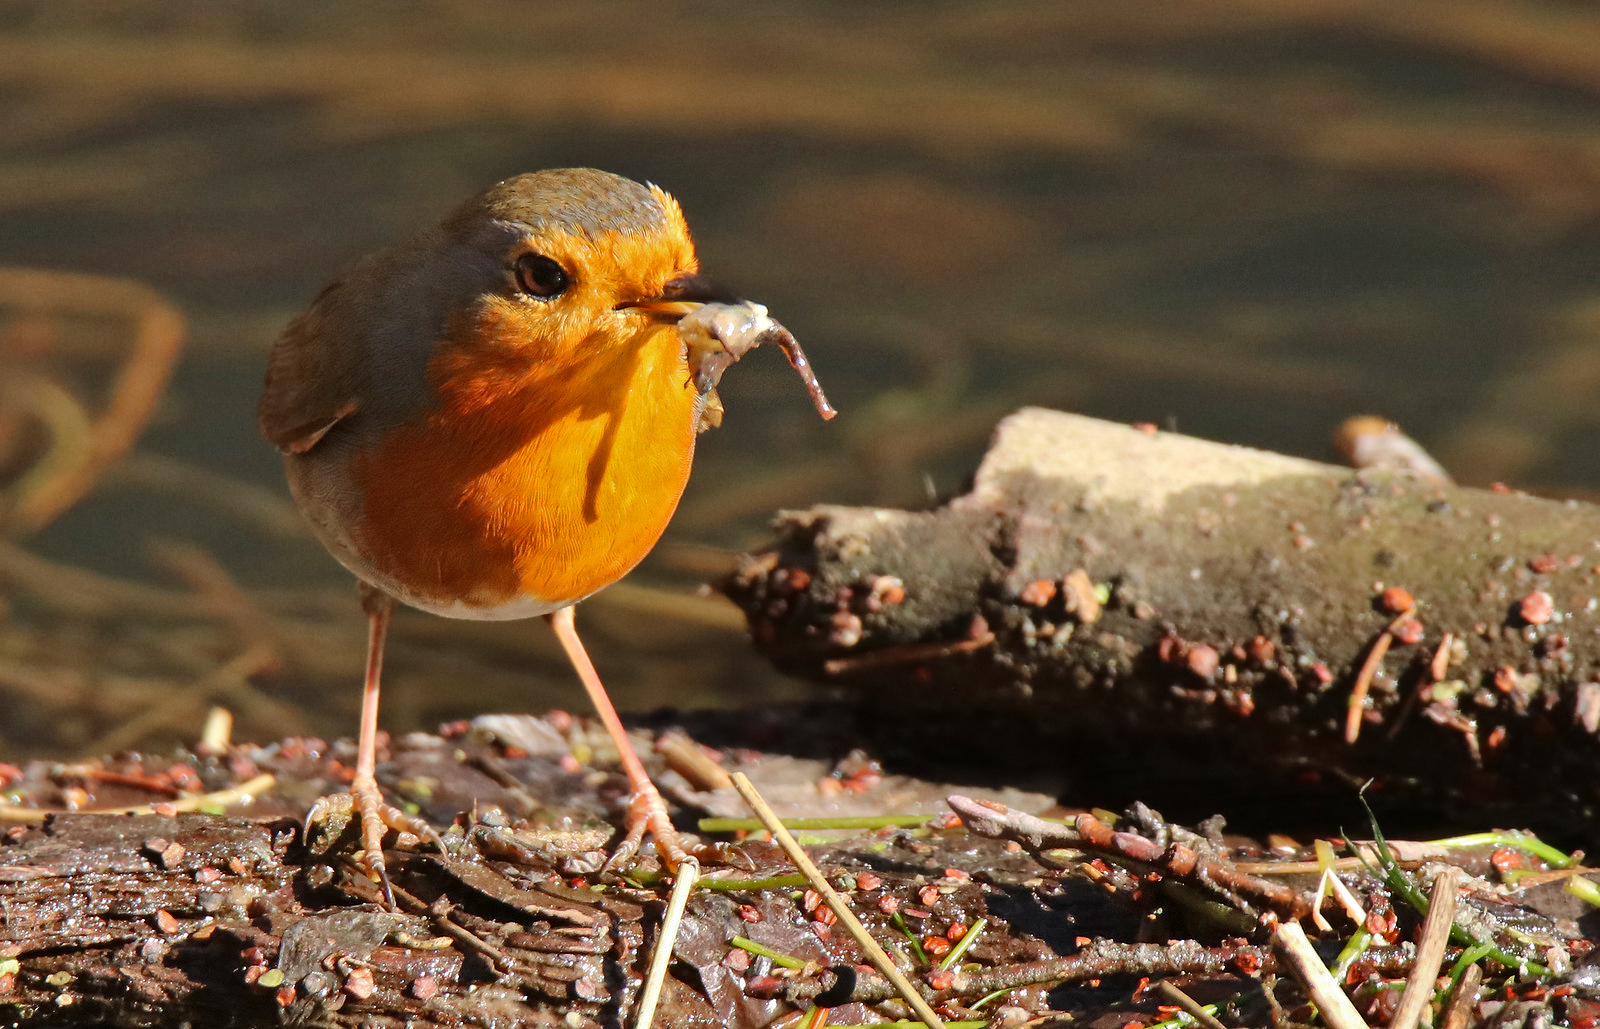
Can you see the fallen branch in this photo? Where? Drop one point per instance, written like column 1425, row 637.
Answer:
column 1235, row 601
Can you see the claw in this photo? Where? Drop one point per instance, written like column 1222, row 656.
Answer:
column 330, row 817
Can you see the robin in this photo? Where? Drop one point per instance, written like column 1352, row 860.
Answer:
column 495, row 419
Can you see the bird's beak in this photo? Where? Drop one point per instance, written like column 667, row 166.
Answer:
column 680, row 296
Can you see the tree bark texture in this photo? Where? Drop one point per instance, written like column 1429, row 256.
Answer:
column 1129, row 586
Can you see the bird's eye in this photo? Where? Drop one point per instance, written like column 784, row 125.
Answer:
column 539, row 276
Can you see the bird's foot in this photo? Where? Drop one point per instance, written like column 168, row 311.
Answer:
column 330, row 817
column 647, row 813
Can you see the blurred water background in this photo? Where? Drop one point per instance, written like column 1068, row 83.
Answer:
column 1243, row 219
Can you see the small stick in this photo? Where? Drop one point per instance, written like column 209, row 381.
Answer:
column 1213, row 874
column 1098, row 960
column 908, row 653
column 688, row 874
column 1358, row 693
column 1430, row 950
column 1458, row 1010
column 1439, row 667
column 1193, row 1007
column 847, row 918
column 439, row 913
column 246, row 791
column 1369, row 669
column 217, row 735
column 684, row 756
column 1304, row 964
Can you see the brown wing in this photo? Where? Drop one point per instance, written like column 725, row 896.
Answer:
column 313, row 375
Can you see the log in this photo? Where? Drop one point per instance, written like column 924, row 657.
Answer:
column 1144, row 591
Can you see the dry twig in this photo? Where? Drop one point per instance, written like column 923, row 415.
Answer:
column 1295, row 951
column 840, row 906
column 1430, row 950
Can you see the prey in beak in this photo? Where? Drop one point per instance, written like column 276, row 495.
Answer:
column 717, row 329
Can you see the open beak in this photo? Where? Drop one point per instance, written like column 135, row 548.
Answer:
column 680, row 296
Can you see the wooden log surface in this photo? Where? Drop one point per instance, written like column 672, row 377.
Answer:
column 179, row 917
column 1143, row 590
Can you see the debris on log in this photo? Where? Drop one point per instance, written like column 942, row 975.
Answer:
column 1271, row 612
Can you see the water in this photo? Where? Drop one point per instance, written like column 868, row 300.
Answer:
column 1246, row 222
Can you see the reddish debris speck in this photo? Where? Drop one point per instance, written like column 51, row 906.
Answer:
column 1408, row 631
column 862, row 781
column 1505, row 859
column 846, row 629
column 1202, row 660
column 1396, row 600
column 1544, row 563
column 888, row 590
column 1038, row 593
column 868, row 880
column 425, row 986
column 1536, row 608
column 358, row 984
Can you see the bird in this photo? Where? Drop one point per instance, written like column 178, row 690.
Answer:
column 496, row 418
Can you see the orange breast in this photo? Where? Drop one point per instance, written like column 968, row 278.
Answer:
column 534, row 479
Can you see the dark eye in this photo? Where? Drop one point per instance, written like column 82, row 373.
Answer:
column 539, row 276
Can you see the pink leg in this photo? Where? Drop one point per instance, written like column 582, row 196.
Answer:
column 364, row 788
column 376, row 817
column 646, row 811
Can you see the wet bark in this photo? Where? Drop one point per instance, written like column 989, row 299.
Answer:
column 188, row 918
column 1145, row 590
column 199, row 919
column 174, row 919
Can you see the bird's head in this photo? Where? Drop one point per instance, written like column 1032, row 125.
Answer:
column 571, row 263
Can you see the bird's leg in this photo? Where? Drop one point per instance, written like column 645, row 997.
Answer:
column 647, row 812
column 373, row 814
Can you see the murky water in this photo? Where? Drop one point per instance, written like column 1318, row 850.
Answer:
column 1247, row 221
